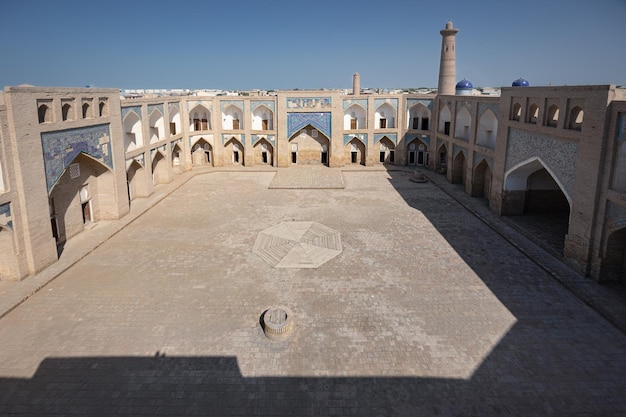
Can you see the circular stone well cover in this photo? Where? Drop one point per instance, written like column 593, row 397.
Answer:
column 298, row 245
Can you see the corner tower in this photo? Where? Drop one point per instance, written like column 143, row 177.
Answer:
column 447, row 65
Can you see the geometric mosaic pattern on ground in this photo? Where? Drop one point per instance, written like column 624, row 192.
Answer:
column 294, row 244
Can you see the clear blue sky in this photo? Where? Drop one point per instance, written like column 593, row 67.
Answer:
column 286, row 44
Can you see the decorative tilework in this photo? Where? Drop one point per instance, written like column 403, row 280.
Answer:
column 194, row 139
column 478, row 157
column 456, row 149
column 206, row 104
column 227, row 137
column 484, row 106
column 151, row 108
column 269, row 138
column 408, row 138
column 309, row 102
column 61, row 147
column 5, row 215
column 320, row 121
column 391, row 136
column 410, row 102
column 236, row 103
column 172, row 106
column 267, row 103
column 460, row 104
column 380, row 101
column 359, row 101
column 360, row 136
column 126, row 110
column 559, row 156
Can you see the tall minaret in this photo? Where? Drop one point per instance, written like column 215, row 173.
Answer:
column 447, row 65
column 356, row 84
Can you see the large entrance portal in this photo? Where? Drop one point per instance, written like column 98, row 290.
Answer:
column 537, row 204
column 309, row 146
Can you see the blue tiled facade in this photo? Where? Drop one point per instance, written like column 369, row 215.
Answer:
column 269, row 138
column 360, row 102
column 360, row 136
column 391, row 136
column 309, row 102
column 410, row 102
column 126, row 110
column 408, row 138
column 391, row 101
column 267, row 103
column 61, row 147
column 320, row 121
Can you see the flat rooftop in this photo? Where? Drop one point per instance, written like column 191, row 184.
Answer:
column 426, row 310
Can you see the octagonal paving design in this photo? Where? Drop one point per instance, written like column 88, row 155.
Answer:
column 298, row 244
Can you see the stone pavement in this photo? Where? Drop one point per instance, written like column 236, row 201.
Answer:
column 307, row 177
column 428, row 310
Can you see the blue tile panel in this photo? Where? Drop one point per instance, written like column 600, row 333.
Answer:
column 61, row 147
column 320, row 121
column 360, row 102
column 172, row 106
column 270, row 138
column 457, row 149
column 309, row 102
column 206, row 104
column 226, row 137
column 460, row 104
column 391, row 136
column 360, row 136
column 410, row 102
column 408, row 138
column 194, row 139
column 126, row 110
column 236, row 103
column 380, row 101
column 484, row 106
column 478, row 158
column 267, row 103
column 151, row 108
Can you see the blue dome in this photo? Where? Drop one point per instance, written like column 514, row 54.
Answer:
column 520, row 82
column 464, row 85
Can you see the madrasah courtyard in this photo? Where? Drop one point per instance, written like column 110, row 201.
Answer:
column 314, row 252
column 159, row 314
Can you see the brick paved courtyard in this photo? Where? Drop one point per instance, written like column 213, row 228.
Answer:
column 426, row 311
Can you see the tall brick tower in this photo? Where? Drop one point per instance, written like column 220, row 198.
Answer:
column 447, row 65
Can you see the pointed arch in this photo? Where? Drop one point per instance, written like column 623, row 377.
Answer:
column 199, row 118
column 418, row 117
column 575, row 118
column 136, row 181
column 445, row 118
column 133, row 133
column 309, row 146
column 614, row 259
column 232, row 118
column 481, row 180
column 202, row 153
column 262, row 118
column 354, row 117
column 263, row 152
column 83, row 194
column 175, row 127
column 417, row 152
column 234, row 152
column 459, row 168
column 386, row 151
column 516, row 112
column 533, row 114
column 160, row 171
column 385, row 117
column 463, row 124
column 157, row 131
column 552, row 117
column 354, row 151
column 487, row 129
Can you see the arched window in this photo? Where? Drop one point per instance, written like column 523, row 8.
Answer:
column 576, row 118
column 45, row 115
column 516, row 114
column 553, row 116
column 66, row 111
column 86, row 110
column 533, row 113
column 102, row 109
